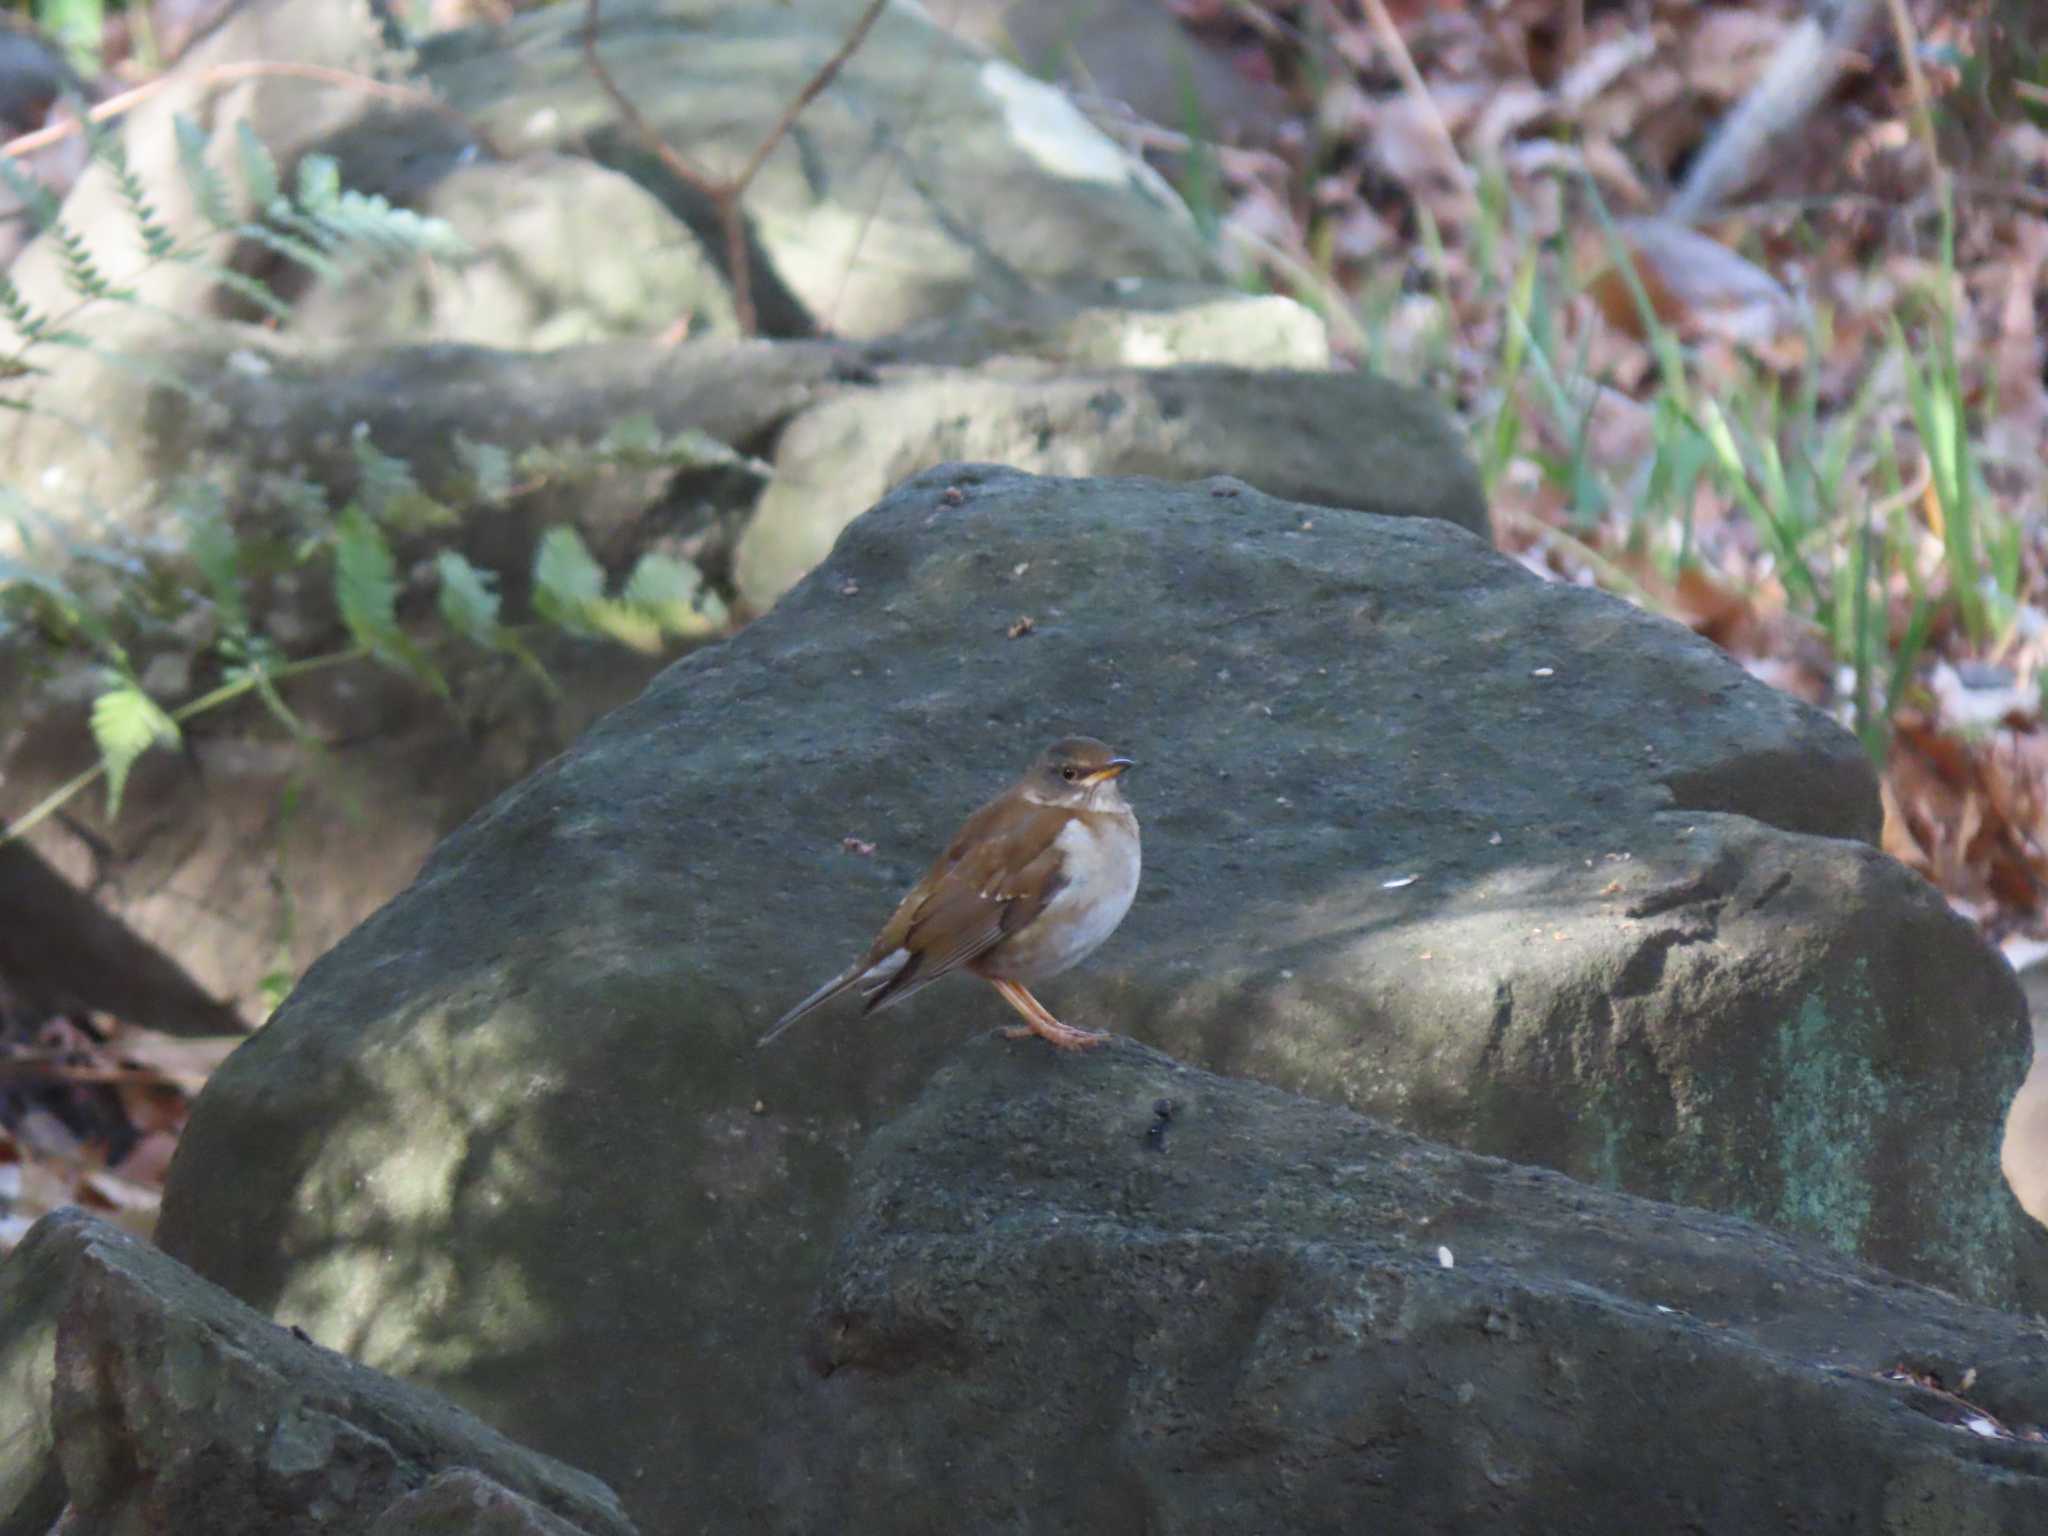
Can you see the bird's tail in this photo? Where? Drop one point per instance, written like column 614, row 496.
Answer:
column 817, row 999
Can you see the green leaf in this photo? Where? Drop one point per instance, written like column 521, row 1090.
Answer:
column 489, row 468
column 259, row 167
column 568, row 583
column 632, row 627
column 126, row 722
column 80, row 271
column 158, row 243
column 211, row 543
column 671, row 593
column 319, row 184
column 366, row 592
column 387, row 490
column 19, row 312
column 38, row 199
column 469, row 601
column 208, row 189
column 636, row 437
column 365, row 580
column 292, row 248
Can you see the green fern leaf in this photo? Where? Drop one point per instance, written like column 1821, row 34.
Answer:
column 388, row 491
column 489, row 468
column 259, row 167
column 366, row 592
column 37, row 199
column 365, row 580
column 80, row 271
column 20, row 314
column 469, row 603
column 126, row 722
column 157, row 241
column 292, row 247
column 209, row 189
column 248, row 287
column 671, row 593
column 568, row 583
column 212, row 546
column 469, row 599
column 632, row 627
column 319, row 185
column 635, row 439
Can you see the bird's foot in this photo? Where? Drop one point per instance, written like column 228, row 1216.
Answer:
column 1065, row 1036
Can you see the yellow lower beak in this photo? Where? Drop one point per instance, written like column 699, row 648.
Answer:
column 1116, row 767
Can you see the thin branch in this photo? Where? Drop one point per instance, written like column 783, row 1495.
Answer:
column 1396, row 49
column 725, row 193
column 223, row 74
column 1916, row 89
column 723, row 203
column 809, row 93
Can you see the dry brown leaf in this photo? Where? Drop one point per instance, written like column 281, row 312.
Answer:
column 1696, row 286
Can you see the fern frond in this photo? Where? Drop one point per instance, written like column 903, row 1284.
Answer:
column 568, row 583
column 365, row 580
column 489, row 468
column 469, row 603
column 670, row 592
column 319, row 187
column 157, row 241
column 209, row 188
column 18, row 311
column 242, row 283
column 214, row 549
column 39, row 201
column 80, row 270
column 362, row 218
column 366, row 592
column 292, row 247
column 469, row 598
column 259, row 167
column 388, row 491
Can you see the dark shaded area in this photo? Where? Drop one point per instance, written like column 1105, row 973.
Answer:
column 1295, row 1319
column 61, row 952
column 170, row 1406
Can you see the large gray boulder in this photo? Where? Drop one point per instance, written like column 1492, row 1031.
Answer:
column 1507, row 862
column 1125, row 1295
column 1344, row 440
column 927, row 172
column 167, row 1405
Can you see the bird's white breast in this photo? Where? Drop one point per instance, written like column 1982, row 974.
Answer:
column 1101, row 865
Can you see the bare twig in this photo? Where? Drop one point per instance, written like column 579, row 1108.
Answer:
column 222, row 74
column 725, row 193
column 1908, row 38
column 1396, row 50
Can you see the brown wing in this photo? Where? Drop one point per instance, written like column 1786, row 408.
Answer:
column 979, row 890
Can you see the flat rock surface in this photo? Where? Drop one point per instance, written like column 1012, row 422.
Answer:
column 1509, row 863
column 1121, row 1294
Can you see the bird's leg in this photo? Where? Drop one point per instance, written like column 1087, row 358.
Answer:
column 1039, row 1020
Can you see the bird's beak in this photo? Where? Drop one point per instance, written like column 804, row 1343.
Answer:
column 1116, row 767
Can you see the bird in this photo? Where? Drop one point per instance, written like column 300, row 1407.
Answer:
column 1031, row 885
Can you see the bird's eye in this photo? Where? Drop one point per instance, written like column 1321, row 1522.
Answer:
column 1068, row 773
